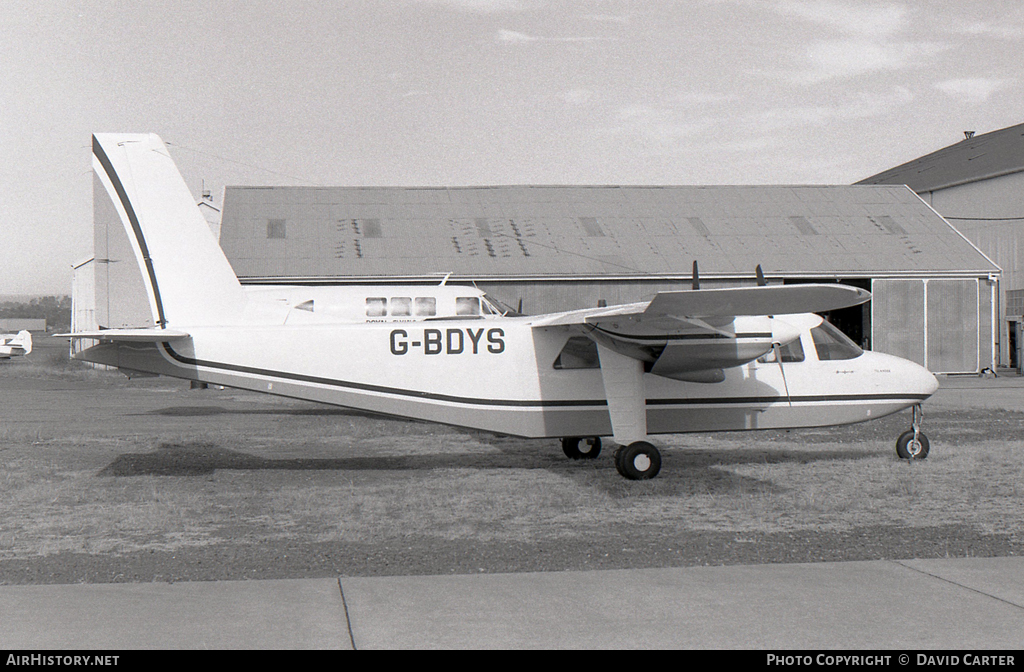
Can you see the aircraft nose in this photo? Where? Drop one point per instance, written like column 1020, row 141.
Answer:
column 931, row 383
column 919, row 380
column 901, row 376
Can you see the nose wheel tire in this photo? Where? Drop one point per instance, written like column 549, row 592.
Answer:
column 576, row 448
column 909, row 448
column 638, row 461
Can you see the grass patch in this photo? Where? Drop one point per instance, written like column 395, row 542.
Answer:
column 160, row 468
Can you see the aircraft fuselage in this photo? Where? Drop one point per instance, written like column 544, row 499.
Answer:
column 499, row 374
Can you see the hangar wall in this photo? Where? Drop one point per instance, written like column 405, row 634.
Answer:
column 560, row 248
column 990, row 213
column 83, row 303
column 943, row 324
column 15, row 324
column 977, row 184
column 120, row 293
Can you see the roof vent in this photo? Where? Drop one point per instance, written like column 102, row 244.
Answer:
column 968, row 134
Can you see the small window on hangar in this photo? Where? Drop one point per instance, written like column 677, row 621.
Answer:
column 276, row 228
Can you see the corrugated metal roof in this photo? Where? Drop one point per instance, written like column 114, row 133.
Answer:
column 615, row 231
column 979, row 158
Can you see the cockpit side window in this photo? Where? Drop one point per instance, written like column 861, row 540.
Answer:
column 833, row 344
column 467, row 305
column 791, row 352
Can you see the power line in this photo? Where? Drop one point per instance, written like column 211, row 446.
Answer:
column 247, row 165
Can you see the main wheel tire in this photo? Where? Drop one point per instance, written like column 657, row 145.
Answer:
column 590, row 448
column 638, row 461
column 576, row 448
column 908, row 449
column 617, row 459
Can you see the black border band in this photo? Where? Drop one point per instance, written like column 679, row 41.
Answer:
column 108, row 167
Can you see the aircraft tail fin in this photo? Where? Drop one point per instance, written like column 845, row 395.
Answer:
column 158, row 263
column 18, row 344
column 23, row 339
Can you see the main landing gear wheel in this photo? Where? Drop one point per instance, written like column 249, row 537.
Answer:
column 638, row 461
column 576, row 448
column 910, row 448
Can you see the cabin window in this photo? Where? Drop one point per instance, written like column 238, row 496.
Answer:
column 376, row 306
column 791, row 352
column 467, row 305
column 425, row 306
column 833, row 344
column 579, row 353
column 401, row 306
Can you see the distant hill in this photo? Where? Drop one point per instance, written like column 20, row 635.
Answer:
column 56, row 310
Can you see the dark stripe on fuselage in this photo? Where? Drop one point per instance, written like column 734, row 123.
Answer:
column 366, row 387
column 108, row 167
column 514, row 403
column 812, row 398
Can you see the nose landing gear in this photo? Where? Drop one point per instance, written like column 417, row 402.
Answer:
column 913, row 444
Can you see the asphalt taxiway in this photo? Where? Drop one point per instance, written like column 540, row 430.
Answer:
column 967, row 603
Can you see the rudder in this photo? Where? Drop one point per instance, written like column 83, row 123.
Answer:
column 180, row 276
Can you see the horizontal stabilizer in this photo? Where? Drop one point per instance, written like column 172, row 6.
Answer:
column 768, row 300
column 130, row 335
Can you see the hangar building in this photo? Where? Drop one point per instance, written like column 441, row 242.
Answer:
column 977, row 184
column 550, row 248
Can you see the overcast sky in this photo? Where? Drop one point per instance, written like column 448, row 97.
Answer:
column 469, row 92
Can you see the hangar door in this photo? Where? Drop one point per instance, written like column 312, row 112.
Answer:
column 945, row 325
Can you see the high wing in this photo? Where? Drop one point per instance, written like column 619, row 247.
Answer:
column 687, row 335
column 724, row 302
column 691, row 336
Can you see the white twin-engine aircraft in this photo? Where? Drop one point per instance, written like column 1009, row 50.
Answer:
column 15, row 345
column 685, row 361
